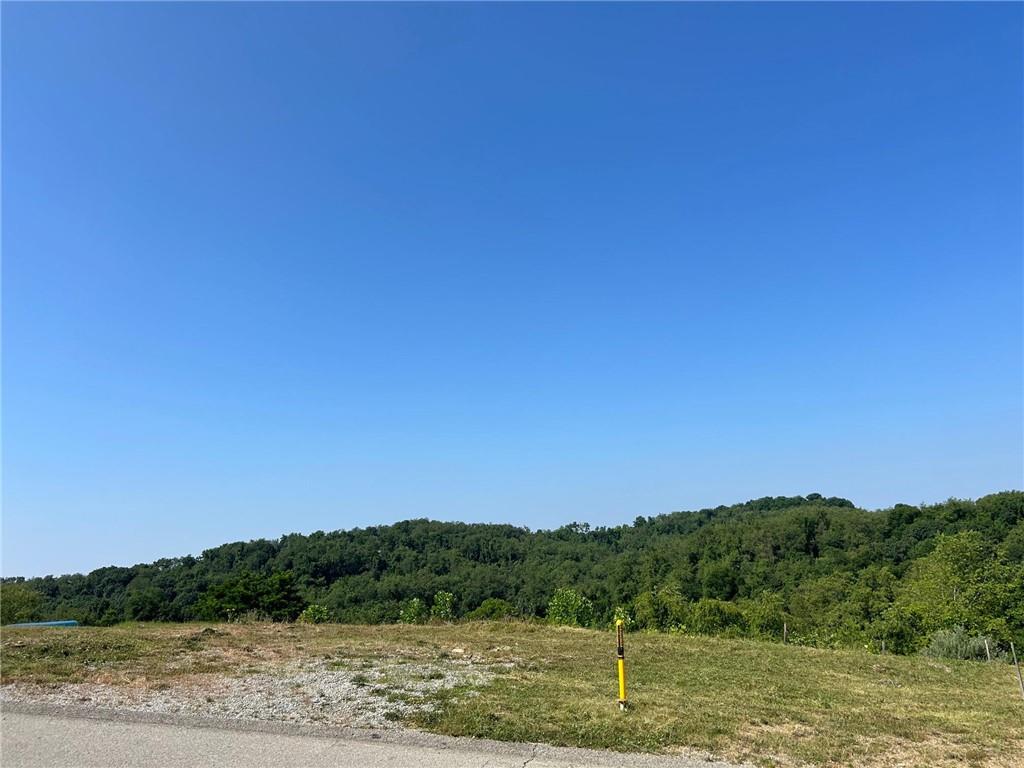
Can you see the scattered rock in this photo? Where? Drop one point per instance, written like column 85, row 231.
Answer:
column 378, row 695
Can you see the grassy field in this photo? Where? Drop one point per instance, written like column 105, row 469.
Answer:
column 742, row 700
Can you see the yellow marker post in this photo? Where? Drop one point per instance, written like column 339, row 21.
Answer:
column 621, row 654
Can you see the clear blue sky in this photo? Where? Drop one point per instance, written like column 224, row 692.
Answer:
column 273, row 268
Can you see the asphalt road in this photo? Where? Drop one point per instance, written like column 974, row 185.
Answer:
column 96, row 739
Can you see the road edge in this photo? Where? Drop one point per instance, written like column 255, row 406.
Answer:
column 397, row 736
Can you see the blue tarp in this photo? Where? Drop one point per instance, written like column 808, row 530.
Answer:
column 68, row 623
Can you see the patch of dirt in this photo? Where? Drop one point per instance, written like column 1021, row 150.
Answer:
column 756, row 733
column 937, row 751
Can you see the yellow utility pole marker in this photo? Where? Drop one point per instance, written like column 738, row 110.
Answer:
column 621, row 653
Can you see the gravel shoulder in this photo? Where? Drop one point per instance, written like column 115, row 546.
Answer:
column 368, row 693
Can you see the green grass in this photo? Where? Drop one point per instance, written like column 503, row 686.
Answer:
column 739, row 699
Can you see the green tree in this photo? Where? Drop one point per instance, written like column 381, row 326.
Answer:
column 413, row 611
column 961, row 583
column 840, row 569
column 493, row 608
column 145, row 604
column 18, row 602
column 710, row 616
column 314, row 614
column 275, row 597
column 443, row 608
column 569, row 607
column 900, row 628
column 645, row 611
column 673, row 610
column 765, row 615
column 280, row 598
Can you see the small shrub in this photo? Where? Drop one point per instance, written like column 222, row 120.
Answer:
column 765, row 615
column 957, row 643
column 664, row 608
column 673, row 609
column 624, row 615
column 493, row 608
column 645, row 612
column 444, row 607
column 412, row 611
column 568, row 607
column 314, row 614
column 712, row 617
column 900, row 628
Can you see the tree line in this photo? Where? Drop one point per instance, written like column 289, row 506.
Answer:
column 826, row 572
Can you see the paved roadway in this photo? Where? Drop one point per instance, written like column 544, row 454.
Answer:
column 33, row 737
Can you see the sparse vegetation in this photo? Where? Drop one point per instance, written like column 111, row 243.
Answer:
column 772, row 704
column 314, row 614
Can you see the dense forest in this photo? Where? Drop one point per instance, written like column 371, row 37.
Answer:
column 830, row 573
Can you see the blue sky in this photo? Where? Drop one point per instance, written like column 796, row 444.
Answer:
column 275, row 268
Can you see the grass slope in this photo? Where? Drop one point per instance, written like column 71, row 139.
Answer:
column 743, row 700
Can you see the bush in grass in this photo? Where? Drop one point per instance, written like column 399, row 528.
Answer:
column 412, row 611
column 663, row 608
column 570, row 608
column 314, row 614
column 444, row 607
column 493, row 608
column 958, row 643
column 900, row 628
column 623, row 614
column 645, row 613
column 765, row 615
column 673, row 609
column 712, row 617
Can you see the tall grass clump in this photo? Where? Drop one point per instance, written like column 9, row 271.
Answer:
column 958, row 643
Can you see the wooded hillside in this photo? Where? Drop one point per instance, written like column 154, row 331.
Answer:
column 832, row 573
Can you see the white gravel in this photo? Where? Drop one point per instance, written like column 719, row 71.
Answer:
column 369, row 694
